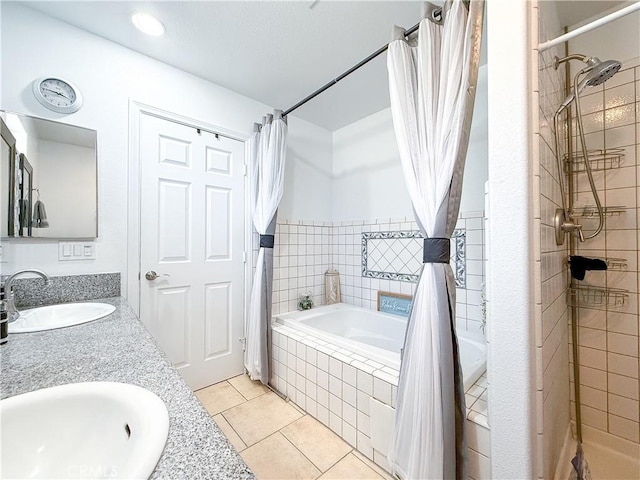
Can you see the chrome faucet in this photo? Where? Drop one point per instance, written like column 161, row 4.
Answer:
column 8, row 304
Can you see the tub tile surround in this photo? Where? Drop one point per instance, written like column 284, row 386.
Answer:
column 608, row 337
column 304, row 251
column 31, row 292
column 337, row 387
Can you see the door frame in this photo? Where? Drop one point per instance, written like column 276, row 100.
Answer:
column 132, row 277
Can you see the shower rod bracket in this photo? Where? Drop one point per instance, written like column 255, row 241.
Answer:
column 564, row 225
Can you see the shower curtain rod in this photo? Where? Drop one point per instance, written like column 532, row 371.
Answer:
column 436, row 13
column 589, row 26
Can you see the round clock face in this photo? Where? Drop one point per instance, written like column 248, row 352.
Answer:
column 57, row 94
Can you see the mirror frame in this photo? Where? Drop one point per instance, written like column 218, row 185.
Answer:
column 10, row 140
column 26, row 193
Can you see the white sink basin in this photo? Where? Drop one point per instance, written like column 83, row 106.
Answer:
column 58, row 316
column 82, row 430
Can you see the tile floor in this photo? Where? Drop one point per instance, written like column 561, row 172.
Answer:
column 476, row 400
column 276, row 439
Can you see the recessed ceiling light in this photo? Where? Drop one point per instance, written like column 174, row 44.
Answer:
column 147, row 24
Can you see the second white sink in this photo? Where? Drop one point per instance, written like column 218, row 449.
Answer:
column 82, row 430
column 59, row 316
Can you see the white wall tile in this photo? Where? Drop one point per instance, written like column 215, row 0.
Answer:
column 624, row 428
column 349, row 433
column 623, row 386
column 363, row 400
column 365, row 382
column 624, row 407
column 382, row 391
column 349, row 413
column 479, row 465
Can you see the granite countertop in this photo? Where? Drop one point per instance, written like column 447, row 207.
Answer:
column 118, row 348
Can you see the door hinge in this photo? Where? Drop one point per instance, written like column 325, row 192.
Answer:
column 245, row 169
column 243, row 342
column 244, row 256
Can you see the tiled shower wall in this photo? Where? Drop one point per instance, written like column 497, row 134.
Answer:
column 608, row 335
column 551, row 313
column 304, row 251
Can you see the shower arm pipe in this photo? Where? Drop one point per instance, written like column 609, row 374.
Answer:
column 589, row 26
column 585, row 157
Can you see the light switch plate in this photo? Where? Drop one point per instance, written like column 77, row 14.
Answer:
column 69, row 251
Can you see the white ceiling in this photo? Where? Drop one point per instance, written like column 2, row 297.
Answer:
column 572, row 12
column 274, row 52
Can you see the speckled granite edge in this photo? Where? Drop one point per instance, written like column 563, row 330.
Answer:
column 33, row 292
column 118, row 348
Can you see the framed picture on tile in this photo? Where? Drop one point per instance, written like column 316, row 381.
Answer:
column 394, row 303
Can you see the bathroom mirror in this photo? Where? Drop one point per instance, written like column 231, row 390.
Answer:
column 49, row 179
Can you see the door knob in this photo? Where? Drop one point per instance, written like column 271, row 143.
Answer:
column 151, row 275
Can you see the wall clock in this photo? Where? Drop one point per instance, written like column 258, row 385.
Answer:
column 57, row 94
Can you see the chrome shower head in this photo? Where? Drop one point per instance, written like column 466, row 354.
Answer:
column 601, row 72
column 597, row 73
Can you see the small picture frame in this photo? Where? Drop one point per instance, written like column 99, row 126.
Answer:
column 394, row 303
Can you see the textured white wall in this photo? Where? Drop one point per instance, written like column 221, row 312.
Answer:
column 612, row 41
column 108, row 76
column 308, row 183
column 510, row 282
column 368, row 180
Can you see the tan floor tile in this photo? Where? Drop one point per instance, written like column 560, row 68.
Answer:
column 260, row 417
column 247, row 387
column 219, row 397
column 230, row 433
column 350, row 468
column 319, row 444
column 376, row 468
column 275, row 458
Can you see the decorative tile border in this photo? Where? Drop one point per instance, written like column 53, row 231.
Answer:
column 459, row 257
column 33, row 292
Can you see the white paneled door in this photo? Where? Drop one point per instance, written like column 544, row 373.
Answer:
column 192, row 248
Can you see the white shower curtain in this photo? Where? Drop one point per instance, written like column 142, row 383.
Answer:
column 432, row 89
column 267, row 155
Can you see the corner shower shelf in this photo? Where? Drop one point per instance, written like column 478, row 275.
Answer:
column 598, row 159
column 613, row 264
column 616, row 264
column 589, row 296
column 591, row 211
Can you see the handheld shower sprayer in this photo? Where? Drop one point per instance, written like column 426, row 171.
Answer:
column 595, row 73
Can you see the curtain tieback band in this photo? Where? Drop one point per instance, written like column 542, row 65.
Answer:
column 436, row 250
column 267, row 241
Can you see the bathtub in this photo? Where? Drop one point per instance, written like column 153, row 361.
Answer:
column 377, row 336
